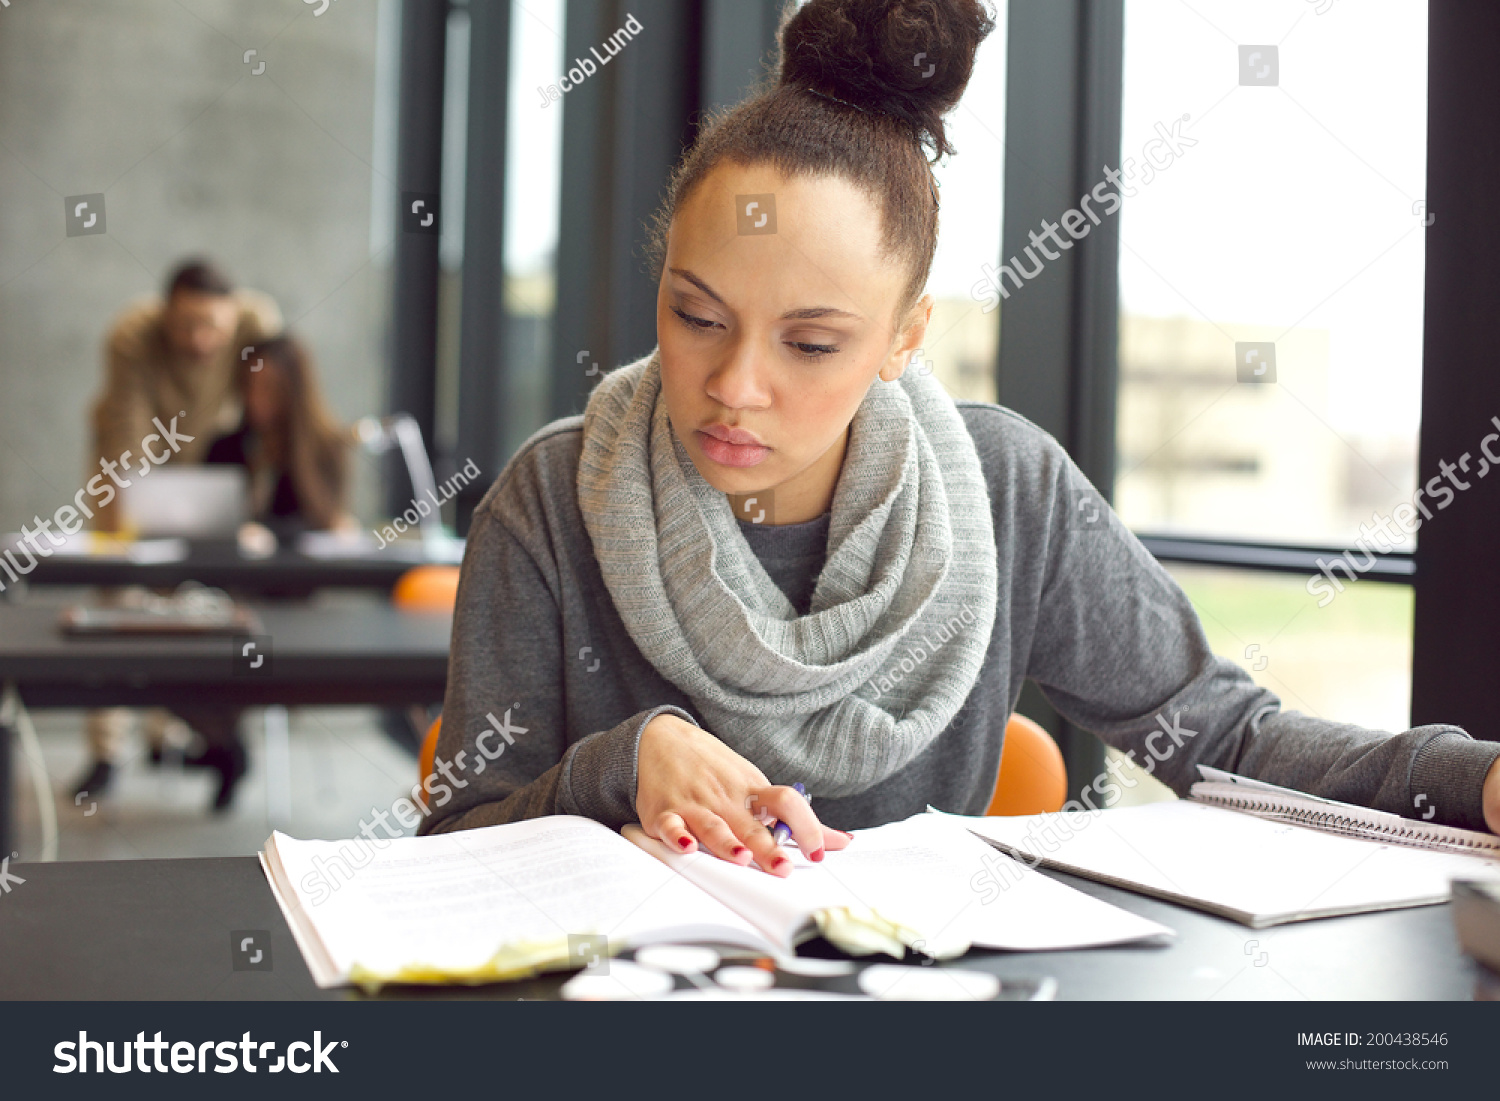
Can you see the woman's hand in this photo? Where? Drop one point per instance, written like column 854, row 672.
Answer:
column 692, row 789
column 1492, row 798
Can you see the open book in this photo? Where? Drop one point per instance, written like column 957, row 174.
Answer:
column 1254, row 852
column 505, row 902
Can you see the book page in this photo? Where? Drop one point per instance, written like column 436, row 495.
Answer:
column 447, row 903
column 1258, row 871
column 937, row 882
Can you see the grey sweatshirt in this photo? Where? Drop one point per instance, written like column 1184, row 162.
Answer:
column 547, row 694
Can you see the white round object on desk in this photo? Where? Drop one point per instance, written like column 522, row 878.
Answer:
column 744, row 980
column 620, row 980
column 810, row 967
column 678, row 959
column 948, row 984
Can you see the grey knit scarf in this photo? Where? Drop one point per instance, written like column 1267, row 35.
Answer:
column 847, row 695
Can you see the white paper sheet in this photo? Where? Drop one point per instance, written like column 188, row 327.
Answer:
column 1257, row 871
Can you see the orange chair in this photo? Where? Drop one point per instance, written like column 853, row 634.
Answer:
column 429, row 749
column 426, row 589
column 1033, row 778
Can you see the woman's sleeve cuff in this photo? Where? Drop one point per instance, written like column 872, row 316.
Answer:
column 599, row 773
column 1447, row 780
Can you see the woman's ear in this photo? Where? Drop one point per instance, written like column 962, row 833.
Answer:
column 908, row 341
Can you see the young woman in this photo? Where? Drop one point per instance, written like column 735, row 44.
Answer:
column 296, row 457
column 295, row 452
column 629, row 645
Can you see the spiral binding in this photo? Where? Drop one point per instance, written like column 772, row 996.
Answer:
column 1414, row 835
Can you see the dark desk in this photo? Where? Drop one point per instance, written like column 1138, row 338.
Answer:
column 285, row 573
column 161, row 929
column 365, row 653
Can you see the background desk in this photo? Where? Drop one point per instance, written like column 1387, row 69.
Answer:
column 285, row 573
column 161, row 929
column 364, row 653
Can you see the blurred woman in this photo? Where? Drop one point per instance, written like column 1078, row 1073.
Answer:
column 294, row 450
column 297, row 460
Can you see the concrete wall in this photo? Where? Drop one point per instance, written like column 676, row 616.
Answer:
column 273, row 174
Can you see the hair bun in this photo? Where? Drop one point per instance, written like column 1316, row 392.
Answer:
column 907, row 58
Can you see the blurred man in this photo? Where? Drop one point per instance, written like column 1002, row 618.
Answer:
column 177, row 356
column 173, row 357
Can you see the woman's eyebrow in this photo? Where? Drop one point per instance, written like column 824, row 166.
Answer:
column 807, row 313
column 812, row 312
column 700, row 284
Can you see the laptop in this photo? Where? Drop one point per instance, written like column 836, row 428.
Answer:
column 192, row 502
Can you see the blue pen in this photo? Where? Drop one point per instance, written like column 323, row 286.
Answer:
column 781, row 833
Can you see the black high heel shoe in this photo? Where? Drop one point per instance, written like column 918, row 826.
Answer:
column 231, row 764
column 96, row 781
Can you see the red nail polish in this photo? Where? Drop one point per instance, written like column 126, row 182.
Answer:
column 815, row 856
column 685, row 842
column 779, row 861
column 737, row 850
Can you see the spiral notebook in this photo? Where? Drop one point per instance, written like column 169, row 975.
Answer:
column 1253, row 852
column 1225, row 789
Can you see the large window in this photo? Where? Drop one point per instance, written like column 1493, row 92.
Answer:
column 1271, row 266
column 962, row 338
column 530, row 193
column 532, row 190
column 1271, row 295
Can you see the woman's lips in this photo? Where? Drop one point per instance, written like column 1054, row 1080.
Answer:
column 731, row 446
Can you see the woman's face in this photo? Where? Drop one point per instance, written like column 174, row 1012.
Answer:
column 774, row 317
column 266, row 398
